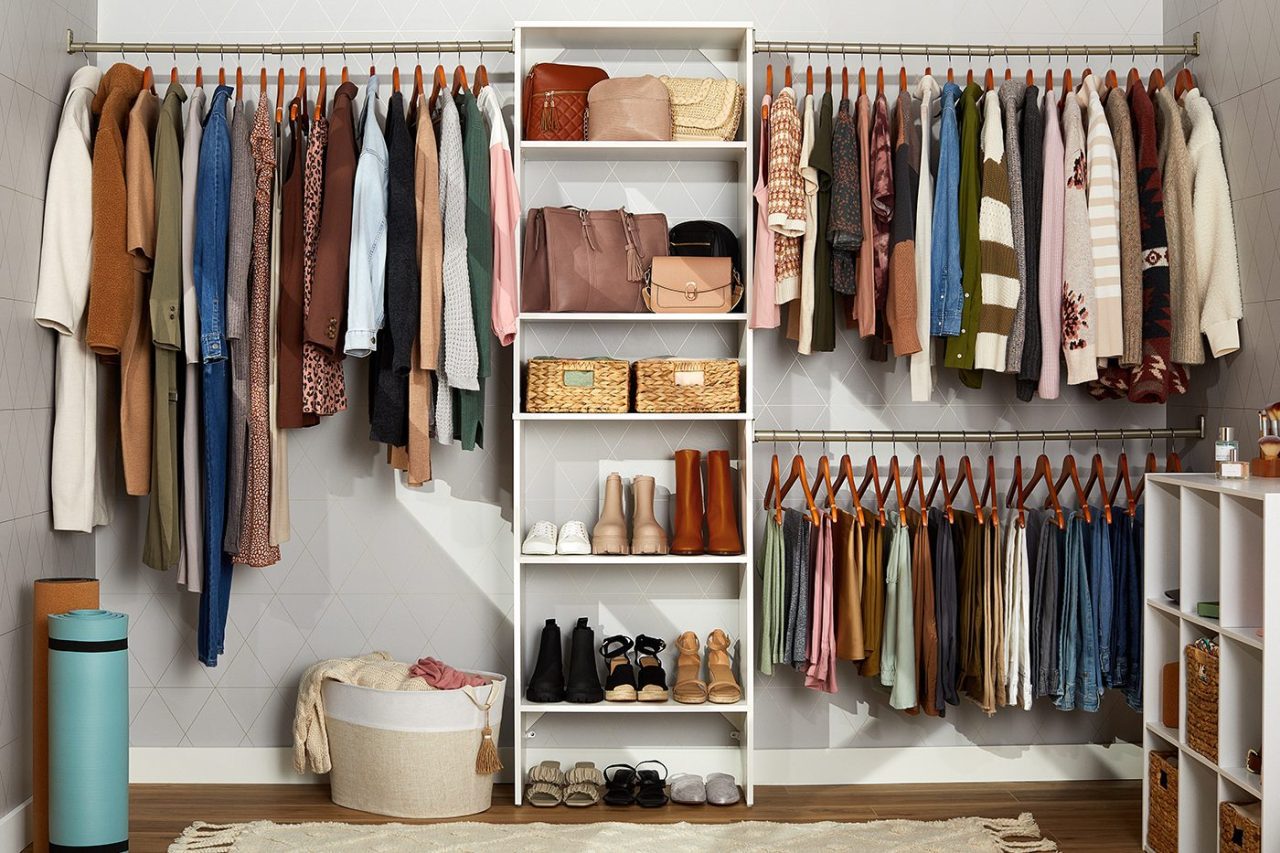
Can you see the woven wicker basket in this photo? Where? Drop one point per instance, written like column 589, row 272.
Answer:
column 687, row 385
column 578, row 385
column 1162, row 822
column 1202, row 701
column 1240, row 828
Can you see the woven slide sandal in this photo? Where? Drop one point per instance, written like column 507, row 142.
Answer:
column 546, row 785
column 583, row 785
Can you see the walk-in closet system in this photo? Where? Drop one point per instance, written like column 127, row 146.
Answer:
column 559, row 460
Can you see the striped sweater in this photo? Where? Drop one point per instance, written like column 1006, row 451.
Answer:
column 1104, row 221
column 1079, row 306
column 1000, row 285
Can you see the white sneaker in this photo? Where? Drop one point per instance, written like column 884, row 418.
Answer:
column 541, row 541
column 573, row 539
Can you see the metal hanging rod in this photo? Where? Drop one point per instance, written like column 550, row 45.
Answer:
column 976, row 436
column 335, row 48
column 971, row 50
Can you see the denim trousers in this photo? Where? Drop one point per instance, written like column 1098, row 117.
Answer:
column 1101, row 586
column 1077, row 639
column 215, row 598
column 1126, row 627
column 1046, row 588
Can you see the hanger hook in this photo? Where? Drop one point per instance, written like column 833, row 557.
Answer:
column 145, row 52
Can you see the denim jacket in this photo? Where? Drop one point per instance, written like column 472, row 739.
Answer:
column 945, row 284
column 213, row 211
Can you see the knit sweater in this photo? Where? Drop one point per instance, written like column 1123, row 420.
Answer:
column 764, row 307
column 901, row 307
column 921, row 369
column 1117, row 109
column 1011, row 94
column 1051, row 253
column 111, row 272
column 999, row 264
column 1179, row 216
column 1079, row 305
column 1103, row 188
column 786, row 194
column 1032, row 201
column 460, row 358
column 1217, row 280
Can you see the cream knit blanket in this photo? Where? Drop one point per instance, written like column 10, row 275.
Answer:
column 310, row 737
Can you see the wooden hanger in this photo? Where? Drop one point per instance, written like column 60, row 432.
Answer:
column 965, row 475
column 917, row 483
column 148, row 80
column 844, row 84
column 1112, row 82
column 1008, row 73
column 280, row 96
column 951, row 74
column 880, row 80
column 823, row 479
column 1031, row 77
column 968, row 77
column 459, row 79
column 1048, row 81
column 222, row 76
column 774, row 488
column 438, row 83
column 1098, row 476
column 873, row 476
column 799, row 475
column 828, row 78
column 786, row 77
column 395, row 78
column 173, row 76
column 1067, row 87
column 302, row 85
column 1017, row 490
column 1122, row 478
column 320, row 93
column 1134, row 79
column 862, row 82
column 1173, row 463
column 1071, row 472
column 846, row 476
column 808, row 80
column 902, row 79
column 940, row 479
column 895, row 479
column 1044, row 473
column 990, row 494
column 481, row 78
column 199, row 77
column 1183, row 83
column 1156, row 81
column 1150, row 466
column 417, row 84
column 988, row 81
column 345, row 75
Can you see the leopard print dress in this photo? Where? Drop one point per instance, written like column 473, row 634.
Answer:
column 323, row 387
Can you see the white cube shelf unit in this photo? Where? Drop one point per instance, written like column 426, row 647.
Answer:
column 1214, row 540
column 558, row 458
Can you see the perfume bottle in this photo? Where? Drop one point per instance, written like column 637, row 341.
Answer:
column 1226, row 456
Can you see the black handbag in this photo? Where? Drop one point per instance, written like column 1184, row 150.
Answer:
column 701, row 238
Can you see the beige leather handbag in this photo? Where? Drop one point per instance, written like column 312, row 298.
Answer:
column 685, row 285
column 629, row 109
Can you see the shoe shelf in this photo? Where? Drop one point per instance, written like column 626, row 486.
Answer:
column 557, row 458
column 1214, row 540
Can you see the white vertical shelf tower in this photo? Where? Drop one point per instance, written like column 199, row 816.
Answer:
column 716, row 178
column 1215, row 540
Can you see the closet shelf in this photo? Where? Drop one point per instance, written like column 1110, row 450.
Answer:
column 1195, row 756
column 669, row 707
column 1251, row 782
column 1246, row 635
column 642, row 151
column 1162, row 731
column 639, row 560
column 586, row 317
column 632, row 416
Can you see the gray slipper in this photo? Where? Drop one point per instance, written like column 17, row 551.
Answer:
column 688, row 789
column 722, row 790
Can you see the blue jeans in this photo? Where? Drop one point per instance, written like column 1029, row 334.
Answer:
column 1078, row 638
column 213, row 212
column 1101, row 587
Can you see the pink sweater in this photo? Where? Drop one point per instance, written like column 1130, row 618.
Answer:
column 504, row 203
column 764, row 307
column 1051, row 241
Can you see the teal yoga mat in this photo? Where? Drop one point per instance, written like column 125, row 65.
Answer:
column 88, row 732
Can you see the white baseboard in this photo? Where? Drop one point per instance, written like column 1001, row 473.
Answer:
column 15, row 829
column 881, row 765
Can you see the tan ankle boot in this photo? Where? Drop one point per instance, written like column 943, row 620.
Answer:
column 723, row 538
column 647, row 536
column 690, row 689
column 688, row 541
column 610, row 533
column 724, row 689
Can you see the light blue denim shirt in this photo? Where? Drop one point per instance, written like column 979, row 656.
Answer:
column 945, row 284
column 368, row 265
column 213, row 211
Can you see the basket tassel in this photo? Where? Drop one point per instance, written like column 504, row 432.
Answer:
column 487, row 760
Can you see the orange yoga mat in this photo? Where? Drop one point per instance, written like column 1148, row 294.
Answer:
column 52, row 595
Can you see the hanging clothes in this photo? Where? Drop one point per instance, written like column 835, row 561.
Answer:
column 1079, row 303
column 898, row 658
column 1101, row 589
column 773, row 595
column 1031, row 146
column 847, row 555
column 800, row 317
column 1104, row 221
column 844, row 228
column 1078, row 683
column 924, row 616
column 764, row 305
column 1011, row 94
column 786, row 195
column 368, row 264
column 504, row 201
column 1116, row 108
column 459, row 356
column 797, row 537
column 191, row 564
column 278, row 523
column 1051, row 249
column 239, row 258
column 969, row 631
column 945, row 269
column 863, row 305
column 77, row 486
column 993, row 651
column 475, row 151
column 311, row 368
column 942, row 535
column 882, row 210
column 822, row 158
column 1046, row 595
column 293, row 264
column 820, row 674
column 960, row 347
column 922, row 361
column 900, row 301
column 999, row 267
column 1017, row 614
column 873, row 596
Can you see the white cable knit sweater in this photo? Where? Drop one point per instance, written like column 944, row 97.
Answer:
column 1217, row 279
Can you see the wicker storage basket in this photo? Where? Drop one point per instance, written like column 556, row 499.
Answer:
column 578, row 385
column 1162, row 822
column 1240, row 827
column 687, row 385
column 1202, row 701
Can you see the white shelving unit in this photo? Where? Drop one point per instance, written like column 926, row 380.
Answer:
column 727, row 49
column 1214, row 540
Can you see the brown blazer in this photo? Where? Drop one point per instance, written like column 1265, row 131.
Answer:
column 324, row 322
column 111, row 279
column 289, row 414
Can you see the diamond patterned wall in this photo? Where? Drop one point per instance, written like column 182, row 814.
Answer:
column 1239, row 72
column 375, row 565
column 34, row 71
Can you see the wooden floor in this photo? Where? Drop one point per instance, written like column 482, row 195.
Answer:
column 1080, row 816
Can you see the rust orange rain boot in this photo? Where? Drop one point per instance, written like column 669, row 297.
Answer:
column 688, row 541
column 723, row 538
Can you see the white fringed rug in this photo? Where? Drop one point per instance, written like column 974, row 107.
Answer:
column 969, row 834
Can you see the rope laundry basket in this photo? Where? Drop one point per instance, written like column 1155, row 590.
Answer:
column 412, row 754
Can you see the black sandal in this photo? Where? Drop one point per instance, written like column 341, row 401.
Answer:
column 652, row 679
column 620, row 683
column 651, row 792
column 620, row 785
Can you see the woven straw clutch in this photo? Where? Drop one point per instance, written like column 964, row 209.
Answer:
column 703, row 108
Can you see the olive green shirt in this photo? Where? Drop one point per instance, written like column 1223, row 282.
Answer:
column 163, row 545
column 960, row 348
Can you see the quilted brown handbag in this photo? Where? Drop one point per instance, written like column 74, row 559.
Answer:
column 555, row 101
column 629, row 109
column 588, row 260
